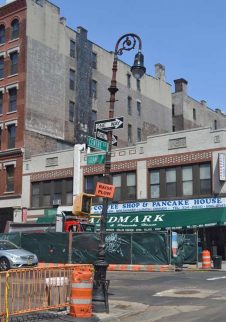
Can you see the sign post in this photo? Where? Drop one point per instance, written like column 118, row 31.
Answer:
column 109, row 124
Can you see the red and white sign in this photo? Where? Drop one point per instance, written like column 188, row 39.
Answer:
column 104, row 190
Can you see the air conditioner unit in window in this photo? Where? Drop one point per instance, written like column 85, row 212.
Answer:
column 56, row 202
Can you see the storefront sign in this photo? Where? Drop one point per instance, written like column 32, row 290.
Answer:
column 163, row 205
column 221, row 163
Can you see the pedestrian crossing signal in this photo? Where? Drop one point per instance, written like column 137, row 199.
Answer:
column 82, row 204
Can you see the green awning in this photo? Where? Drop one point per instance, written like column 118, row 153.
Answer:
column 149, row 220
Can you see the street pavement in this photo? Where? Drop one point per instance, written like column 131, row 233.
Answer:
column 132, row 307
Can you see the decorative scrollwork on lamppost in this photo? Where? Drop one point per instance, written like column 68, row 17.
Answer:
column 125, row 43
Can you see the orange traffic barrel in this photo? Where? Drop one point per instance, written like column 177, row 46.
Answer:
column 206, row 261
column 81, row 293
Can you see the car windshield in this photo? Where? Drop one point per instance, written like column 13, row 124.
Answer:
column 6, row 245
column 88, row 227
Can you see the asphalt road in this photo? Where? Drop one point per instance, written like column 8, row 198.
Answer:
column 169, row 296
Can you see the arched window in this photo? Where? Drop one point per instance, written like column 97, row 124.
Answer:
column 2, row 34
column 14, row 29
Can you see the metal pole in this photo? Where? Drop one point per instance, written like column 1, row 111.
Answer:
column 128, row 42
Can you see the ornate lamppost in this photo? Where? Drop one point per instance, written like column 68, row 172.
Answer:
column 125, row 43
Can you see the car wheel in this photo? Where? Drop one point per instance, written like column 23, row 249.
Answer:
column 4, row 264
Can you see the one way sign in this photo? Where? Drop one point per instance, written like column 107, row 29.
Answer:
column 101, row 135
column 110, row 124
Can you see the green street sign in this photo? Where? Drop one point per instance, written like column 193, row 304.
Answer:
column 95, row 159
column 97, row 144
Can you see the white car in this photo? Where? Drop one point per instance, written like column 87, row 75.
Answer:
column 13, row 256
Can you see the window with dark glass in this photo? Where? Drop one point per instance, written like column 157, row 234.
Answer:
column 129, row 133
column 1, row 103
column 68, row 192
column 15, row 29
column 187, row 181
column 94, row 60
column 138, row 134
column 72, row 79
column 215, row 124
column 71, row 111
column 94, row 89
column 173, row 110
column 14, row 63
column 11, row 136
column 72, row 48
column 138, row 85
column 2, row 34
column 94, row 118
column 138, row 108
column 125, row 186
column 173, row 128
column 205, row 179
column 35, row 195
column 46, row 194
column 0, row 138
column 128, row 80
column 10, row 178
column 129, row 105
column 155, row 184
column 1, row 67
column 180, row 181
column 12, row 99
column 194, row 114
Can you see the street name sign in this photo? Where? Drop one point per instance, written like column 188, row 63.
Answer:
column 101, row 135
column 104, row 190
column 95, row 159
column 97, row 144
column 110, row 124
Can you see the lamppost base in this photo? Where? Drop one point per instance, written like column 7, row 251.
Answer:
column 100, row 284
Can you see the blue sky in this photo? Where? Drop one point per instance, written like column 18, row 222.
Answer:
column 188, row 37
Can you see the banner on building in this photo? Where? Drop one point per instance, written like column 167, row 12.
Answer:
column 221, row 164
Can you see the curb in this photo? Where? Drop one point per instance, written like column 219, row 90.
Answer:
column 141, row 268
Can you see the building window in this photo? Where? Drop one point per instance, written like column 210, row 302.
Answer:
column 2, row 34
column 0, row 138
column 138, row 85
column 173, row 128
column 173, row 110
column 1, row 103
column 72, row 48
column 94, row 118
column 11, row 136
column 14, row 62
column 52, row 193
column 138, row 108
column 129, row 134
column 94, row 89
column 128, row 80
column 72, row 79
column 1, row 67
column 71, row 111
column 15, row 29
column 182, row 181
column 125, row 186
column 138, row 134
column 94, row 60
column 194, row 114
column 205, row 179
column 10, row 178
column 187, row 181
column 171, row 186
column 12, row 99
column 35, row 203
column 215, row 124
column 155, row 184
column 129, row 105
